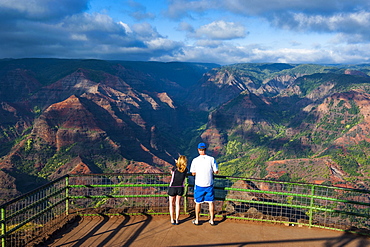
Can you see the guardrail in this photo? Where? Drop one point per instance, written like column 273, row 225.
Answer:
column 36, row 215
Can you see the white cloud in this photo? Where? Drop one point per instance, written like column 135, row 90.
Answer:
column 184, row 8
column 139, row 11
column 178, row 9
column 91, row 22
column 184, row 26
column 81, row 37
column 209, row 43
column 221, row 30
column 125, row 26
column 84, row 35
column 138, row 15
column 350, row 22
column 350, row 26
column 314, row 7
column 41, row 9
column 161, row 43
column 287, row 55
column 145, row 31
column 227, row 53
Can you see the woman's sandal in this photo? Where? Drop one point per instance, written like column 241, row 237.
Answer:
column 211, row 223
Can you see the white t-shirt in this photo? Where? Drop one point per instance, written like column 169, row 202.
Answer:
column 204, row 166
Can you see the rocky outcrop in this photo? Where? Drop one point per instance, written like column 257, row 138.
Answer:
column 313, row 170
column 140, row 167
column 67, row 122
column 84, row 126
column 355, row 72
column 17, row 84
column 8, row 188
column 75, row 166
column 276, row 85
column 216, row 88
column 361, row 131
column 14, row 121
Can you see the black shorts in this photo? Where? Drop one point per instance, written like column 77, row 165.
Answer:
column 175, row 191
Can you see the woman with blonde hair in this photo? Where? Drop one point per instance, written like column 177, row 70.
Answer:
column 176, row 189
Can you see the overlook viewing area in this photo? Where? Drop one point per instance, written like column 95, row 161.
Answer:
column 132, row 210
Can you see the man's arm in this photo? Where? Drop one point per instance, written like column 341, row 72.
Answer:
column 215, row 167
column 192, row 168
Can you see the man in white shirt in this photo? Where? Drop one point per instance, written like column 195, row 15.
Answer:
column 203, row 167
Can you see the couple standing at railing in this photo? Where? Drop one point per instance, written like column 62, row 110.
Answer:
column 202, row 167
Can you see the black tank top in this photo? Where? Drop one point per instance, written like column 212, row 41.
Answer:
column 178, row 178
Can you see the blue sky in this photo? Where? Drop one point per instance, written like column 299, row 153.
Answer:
column 215, row 31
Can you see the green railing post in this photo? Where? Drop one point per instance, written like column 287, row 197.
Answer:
column 3, row 227
column 67, row 195
column 311, row 206
column 186, row 196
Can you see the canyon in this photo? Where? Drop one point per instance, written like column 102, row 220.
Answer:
column 289, row 122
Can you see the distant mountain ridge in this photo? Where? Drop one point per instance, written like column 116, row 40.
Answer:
column 293, row 122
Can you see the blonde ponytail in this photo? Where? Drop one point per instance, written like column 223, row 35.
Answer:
column 181, row 163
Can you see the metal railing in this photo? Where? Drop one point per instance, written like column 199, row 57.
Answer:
column 34, row 216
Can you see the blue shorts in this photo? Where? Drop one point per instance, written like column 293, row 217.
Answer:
column 204, row 194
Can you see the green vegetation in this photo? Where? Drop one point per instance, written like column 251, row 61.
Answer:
column 351, row 158
column 336, row 122
column 58, row 159
column 341, row 82
column 247, row 165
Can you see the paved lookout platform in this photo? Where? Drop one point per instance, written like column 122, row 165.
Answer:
column 147, row 230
